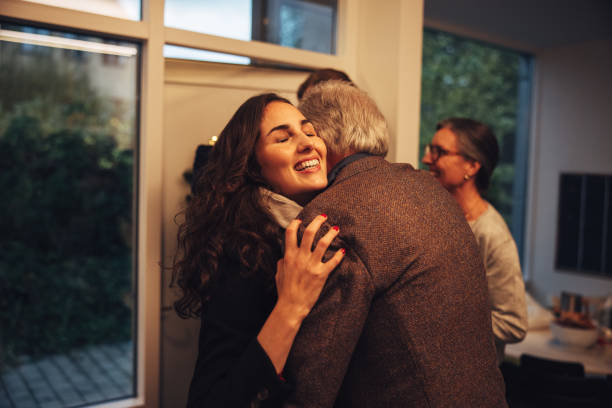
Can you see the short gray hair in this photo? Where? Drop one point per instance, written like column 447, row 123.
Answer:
column 346, row 118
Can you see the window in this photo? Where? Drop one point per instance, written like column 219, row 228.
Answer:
column 68, row 148
column 185, row 53
column 126, row 9
column 584, row 230
column 105, row 74
column 466, row 78
column 304, row 24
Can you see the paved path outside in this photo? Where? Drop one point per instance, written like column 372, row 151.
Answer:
column 81, row 377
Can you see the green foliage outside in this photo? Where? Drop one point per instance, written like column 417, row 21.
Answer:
column 66, row 213
column 464, row 78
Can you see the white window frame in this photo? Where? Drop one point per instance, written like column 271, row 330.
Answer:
column 152, row 34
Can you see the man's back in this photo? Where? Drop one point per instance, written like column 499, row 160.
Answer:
column 405, row 319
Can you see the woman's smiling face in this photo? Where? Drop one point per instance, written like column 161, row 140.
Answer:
column 291, row 155
column 450, row 167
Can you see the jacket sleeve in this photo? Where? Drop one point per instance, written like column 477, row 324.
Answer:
column 232, row 369
column 325, row 343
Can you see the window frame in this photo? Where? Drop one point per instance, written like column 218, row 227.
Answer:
column 582, row 224
column 151, row 33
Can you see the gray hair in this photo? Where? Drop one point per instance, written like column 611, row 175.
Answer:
column 346, row 118
column 477, row 142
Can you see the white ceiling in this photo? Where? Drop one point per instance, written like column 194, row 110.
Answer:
column 530, row 24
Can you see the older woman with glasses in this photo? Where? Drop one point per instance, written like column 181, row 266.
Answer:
column 462, row 156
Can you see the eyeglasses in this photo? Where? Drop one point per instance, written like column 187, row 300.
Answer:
column 435, row 152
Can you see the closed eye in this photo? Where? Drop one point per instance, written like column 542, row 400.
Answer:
column 279, row 134
column 282, row 136
column 309, row 130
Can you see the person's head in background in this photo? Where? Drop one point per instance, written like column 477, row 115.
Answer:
column 347, row 120
column 462, row 155
column 321, row 75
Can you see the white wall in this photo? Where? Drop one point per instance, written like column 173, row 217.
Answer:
column 388, row 66
column 572, row 134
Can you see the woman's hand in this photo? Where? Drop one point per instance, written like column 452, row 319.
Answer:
column 301, row 274
column 300, row 277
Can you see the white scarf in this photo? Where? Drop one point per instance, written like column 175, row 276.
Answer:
column 283, row 209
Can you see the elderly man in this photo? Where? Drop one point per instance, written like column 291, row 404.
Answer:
column 404, row 321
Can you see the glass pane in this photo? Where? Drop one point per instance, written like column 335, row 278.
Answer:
column 303, row 24
column 465, row 78
column 594, row 207
column 126, row 9
column 68, row 145
column 568, row 232
column 173, row 51
column 225, row 18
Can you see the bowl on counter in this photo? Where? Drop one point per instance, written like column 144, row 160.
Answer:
column 572, row 336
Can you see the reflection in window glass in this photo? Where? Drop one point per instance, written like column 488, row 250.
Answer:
column 126, row 9
column 68, row 144
column 304, row 24
column 465, row 78
column 173, row 51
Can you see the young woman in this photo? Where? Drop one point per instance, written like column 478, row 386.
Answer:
column 230, row 266
column 462, row 156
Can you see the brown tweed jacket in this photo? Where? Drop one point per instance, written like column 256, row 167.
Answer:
column 405, row 320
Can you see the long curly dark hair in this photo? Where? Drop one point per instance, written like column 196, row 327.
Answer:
column 225, row 217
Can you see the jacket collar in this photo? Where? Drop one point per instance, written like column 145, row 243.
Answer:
column 351, row 165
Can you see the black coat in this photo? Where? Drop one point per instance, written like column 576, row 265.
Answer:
column 232, row 370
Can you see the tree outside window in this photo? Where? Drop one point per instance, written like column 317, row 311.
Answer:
column 467, row 78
